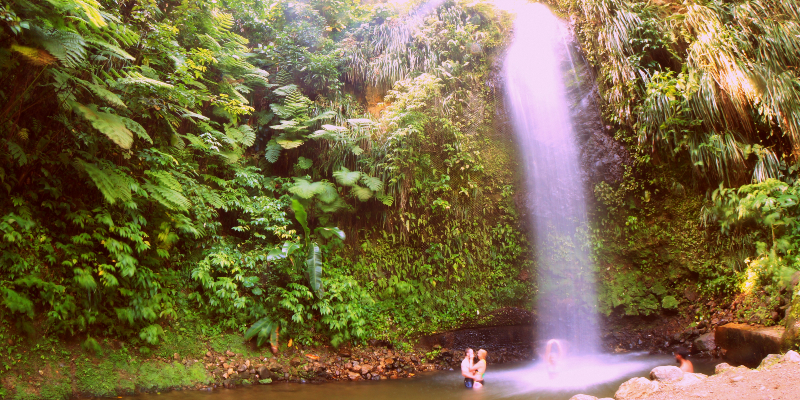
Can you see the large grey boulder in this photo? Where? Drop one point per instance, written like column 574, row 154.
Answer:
column 666, row 373
column 636, row 389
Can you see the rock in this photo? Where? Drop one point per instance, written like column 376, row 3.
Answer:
column 582, row 397
column 229, row 353
column 295, row 361
column 737, row 378
column 635, row 389
column 769, row 361
column 705, row 342
column 791, row 356
column 388, row 361
column 345, row 353
column 690, row 379
column 720, row 368
column 365, row 369
column 353, row 376
column 241, row 368
column 264, row 372
column 748, row 345
column 666, row 373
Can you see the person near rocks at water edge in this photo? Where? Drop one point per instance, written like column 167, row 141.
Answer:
column 479, row 369
column 466, row 365
column 681, row 356
column 551, row 358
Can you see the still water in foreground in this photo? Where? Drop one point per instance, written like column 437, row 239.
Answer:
column 597, row 375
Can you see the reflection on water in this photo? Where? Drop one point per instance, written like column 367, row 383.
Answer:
column 598, row 376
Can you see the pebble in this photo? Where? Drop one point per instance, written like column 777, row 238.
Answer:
column 737, row 378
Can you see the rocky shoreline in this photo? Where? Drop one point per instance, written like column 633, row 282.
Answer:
column 777, row 377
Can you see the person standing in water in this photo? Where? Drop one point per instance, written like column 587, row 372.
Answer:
column 681, row 356
column 551, row 358
column 466, row 366
column 480, row 369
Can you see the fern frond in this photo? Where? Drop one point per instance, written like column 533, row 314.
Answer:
column 37, row 57
column 138, row 129
column 102, row 92
column 248, row 135
column 346, row 177
column 112, row 185
column 137, row 79
column 273, row 151
column 111, row 125
column 110, row 48
column 362, row 193
column 374, row 184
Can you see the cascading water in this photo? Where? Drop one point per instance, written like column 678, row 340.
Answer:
column 534, row 71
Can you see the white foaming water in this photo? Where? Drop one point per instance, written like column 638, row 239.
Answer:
column 573, row 374
column 534, row 71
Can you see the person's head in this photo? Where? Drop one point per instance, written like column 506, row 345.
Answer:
column 469, row 353
column 681, row 354
column 482, row 354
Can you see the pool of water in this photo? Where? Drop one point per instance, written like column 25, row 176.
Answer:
column 598, row 376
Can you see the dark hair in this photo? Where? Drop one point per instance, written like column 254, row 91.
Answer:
column 681, row 351
column 467, row 351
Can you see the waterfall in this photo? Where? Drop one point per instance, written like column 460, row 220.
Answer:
column 534, row 72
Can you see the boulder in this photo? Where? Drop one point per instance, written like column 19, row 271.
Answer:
column 264, row 372
column 666, row 373
column 582, row 397
column 635, row 389
column 690, row 379
column 354, row 376
column 791, row 356
column 769, row 361
column 791, row 333
column 365, row 369
column 722, row 367
column 748, row 345
column 705, row 342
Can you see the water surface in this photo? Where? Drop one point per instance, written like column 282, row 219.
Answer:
column 597, row 375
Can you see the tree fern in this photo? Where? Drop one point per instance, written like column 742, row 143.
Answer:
column 113, row 186
column 109, row 124
column 273, row 151
column 346, row 177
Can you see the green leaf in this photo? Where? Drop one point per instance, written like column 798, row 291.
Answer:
column 289, row 144
column 314, row 269
column 16, row 302
column 303, row 163
column 328, row 233
column 362, row 193
column 301, row 216
column 113, row 186
column 346, row 177
column 109, row 124
column 669, row 302
column 305, row 189
column 374, row 184
column 273, row 151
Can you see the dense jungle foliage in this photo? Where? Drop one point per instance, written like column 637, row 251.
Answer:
column 214, row 162
column 706, row 97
